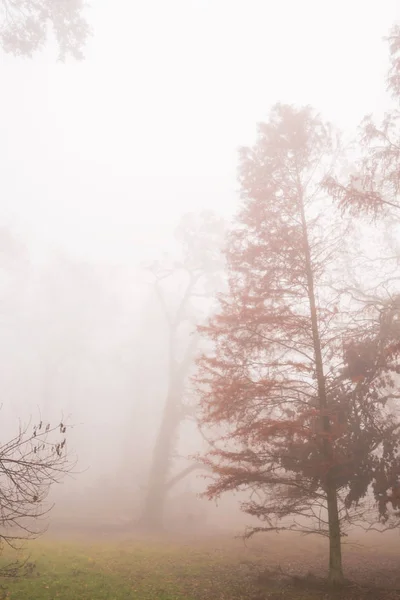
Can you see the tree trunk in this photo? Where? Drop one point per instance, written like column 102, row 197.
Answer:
column 335, row 552
column 157, row 488
column 335, row 547
column 158, row 484
column 189, row 469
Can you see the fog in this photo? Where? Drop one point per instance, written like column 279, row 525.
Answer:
column 115, row 148
column 101, row 159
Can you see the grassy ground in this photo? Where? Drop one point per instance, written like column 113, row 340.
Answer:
column 215, row 568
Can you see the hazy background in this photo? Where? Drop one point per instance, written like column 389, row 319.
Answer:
column 99, row 161
column 102, row 157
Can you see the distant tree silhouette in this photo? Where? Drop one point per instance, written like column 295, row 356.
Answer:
column 197, row 276
column 25, row 25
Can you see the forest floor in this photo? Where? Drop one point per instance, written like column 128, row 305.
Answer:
column 270, row 567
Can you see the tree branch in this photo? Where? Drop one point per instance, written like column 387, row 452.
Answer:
column 185, row 472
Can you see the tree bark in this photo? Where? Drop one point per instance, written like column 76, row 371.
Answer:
column 335, row 546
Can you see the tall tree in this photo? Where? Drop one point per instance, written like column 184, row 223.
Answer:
column 183, row 289
column 290, row 424
column 25, row 24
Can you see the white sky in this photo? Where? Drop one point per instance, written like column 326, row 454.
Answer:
column 103, row 156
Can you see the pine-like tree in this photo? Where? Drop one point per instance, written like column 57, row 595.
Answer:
column 297, row 419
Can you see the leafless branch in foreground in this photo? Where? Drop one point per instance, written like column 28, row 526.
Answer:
column 30, row 463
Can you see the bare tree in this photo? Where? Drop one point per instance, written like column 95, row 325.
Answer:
column 197, row 274
column 32, row 461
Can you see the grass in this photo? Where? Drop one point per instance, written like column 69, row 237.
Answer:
column 144, row 569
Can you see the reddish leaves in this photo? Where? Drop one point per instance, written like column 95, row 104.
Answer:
column 292, row 410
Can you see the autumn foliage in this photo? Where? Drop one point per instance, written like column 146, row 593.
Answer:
column 298, row 387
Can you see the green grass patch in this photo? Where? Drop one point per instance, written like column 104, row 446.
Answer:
column 90, row 571
column 158, row 570
column 119, row 571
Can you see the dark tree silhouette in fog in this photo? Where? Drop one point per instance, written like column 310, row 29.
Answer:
column 297, row 412
column 25, row 26
column 197, row 274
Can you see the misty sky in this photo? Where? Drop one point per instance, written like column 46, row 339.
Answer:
column 102, row 157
